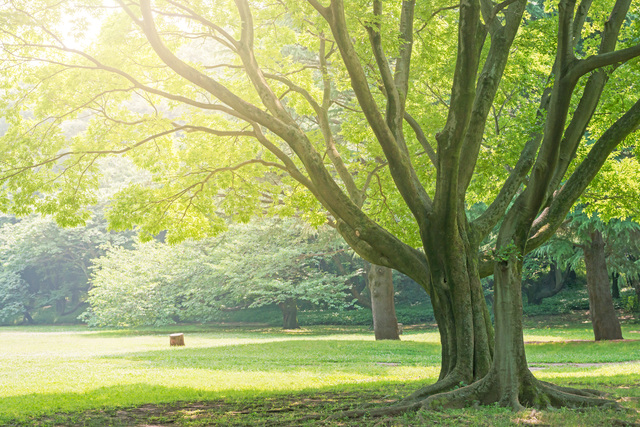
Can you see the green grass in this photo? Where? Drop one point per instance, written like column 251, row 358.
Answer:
column 48, row 371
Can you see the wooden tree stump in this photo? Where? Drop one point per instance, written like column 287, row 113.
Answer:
column 176, row 339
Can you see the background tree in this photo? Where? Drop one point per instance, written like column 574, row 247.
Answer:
column 264, row 262
column 606, row 249
column 222, row 132
column 544, row 278
column 44, row 265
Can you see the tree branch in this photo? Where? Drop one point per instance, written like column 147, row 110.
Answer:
column 487, row 87
column 11, row 172
column 422, row 139
column 579, row 20
column 401, row 168
column 591, row 63
column 394, row 103
column 253, row 70
column 403, row 63
column 591, row 94
column 552, row 216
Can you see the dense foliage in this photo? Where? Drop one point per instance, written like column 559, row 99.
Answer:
column 44, row 265
column 252, row 265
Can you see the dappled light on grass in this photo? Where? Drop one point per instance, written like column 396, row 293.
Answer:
column 79, row 369
column 52, row 368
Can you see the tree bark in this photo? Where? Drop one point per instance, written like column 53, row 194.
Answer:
column 603, row 315
column 464, row 322
column 546, row 286
column 615, row 285
column 27, row 319
column 289, row 310
column 385, row 322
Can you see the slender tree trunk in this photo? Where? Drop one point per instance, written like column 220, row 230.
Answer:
column 75, row 297
column 27, row 319
column 603, row 315
column 385, row 322
column 61, row 304
column 615, row 285
column 289, row 310
column 547, row 286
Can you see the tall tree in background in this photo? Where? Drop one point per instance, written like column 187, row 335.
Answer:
column 281, row 262
column 604, row 319
column 606, row 248
column 228, row 104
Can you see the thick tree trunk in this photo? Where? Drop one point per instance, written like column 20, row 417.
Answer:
column 509, row 381
column 509, row 370
column 385, row 322
column 464, row 322
column 603, row 315
column 289, row 310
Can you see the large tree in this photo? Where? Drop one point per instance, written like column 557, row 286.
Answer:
column 340, row 111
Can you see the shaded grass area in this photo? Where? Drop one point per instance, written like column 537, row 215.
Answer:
column 315, row 409
column 263, row 376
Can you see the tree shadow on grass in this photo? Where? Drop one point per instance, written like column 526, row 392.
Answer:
column 151, row 405
column 148, row 404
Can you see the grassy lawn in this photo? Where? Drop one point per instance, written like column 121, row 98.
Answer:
column 244, row 375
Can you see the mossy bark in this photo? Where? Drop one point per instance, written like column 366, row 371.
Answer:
column 461, row 312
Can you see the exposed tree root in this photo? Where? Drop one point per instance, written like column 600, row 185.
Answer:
column 572, row 398
column 447, row 383
column 587, row 392
column 532, row 393
column 378, row 412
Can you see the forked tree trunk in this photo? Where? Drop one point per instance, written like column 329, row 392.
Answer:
column 464, row 322
column 289, row 310
column 603, row 314
column 383, row 310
